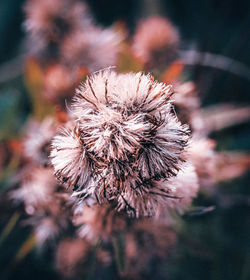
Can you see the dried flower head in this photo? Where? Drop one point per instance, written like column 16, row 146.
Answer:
column 155, row 42
column 148, row 244
column 188, row 107
column 37, row 188
column 44, row 204
column 71, row 256
column 204, row 159
column 59, row 83
column 45, row 229
column 51, row 220
column 144, row 240
column 74, row 257
column 124, row 139
column 37, row 140
column 94, row 48
column 99, row 222
column 179, row 193
column 48, row 22
column 202, row 155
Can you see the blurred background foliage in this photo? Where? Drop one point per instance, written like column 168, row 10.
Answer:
column 214, row 246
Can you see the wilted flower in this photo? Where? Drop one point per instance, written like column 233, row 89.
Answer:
column 60, row 82
column 204, row 158
column 48, row 22
column 181, row 191
column 99, row 222
column 71, row 255
column 45, row 206
column 37, row 140
column 52, row 17
column 124, row 140
column 50, row 220
column 94, row 48
column 45, row 229
column 145, row 242
column 37, row 188
column 155, row 42
column 75, row 256
column 147, row 245
column 187, row 107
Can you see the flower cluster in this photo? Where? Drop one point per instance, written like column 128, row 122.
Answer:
column 105, row 177
column 67, row 44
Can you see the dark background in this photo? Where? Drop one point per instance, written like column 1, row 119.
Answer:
column 215, row 246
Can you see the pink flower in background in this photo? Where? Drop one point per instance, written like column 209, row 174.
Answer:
column 155, row 42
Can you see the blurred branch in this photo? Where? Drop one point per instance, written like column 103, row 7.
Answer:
column 200, row 210
column 230, row 165
column 232, row 200
column 224, row 115
column 193, row 57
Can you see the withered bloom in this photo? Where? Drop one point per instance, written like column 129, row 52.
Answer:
column 44, row 205
column 155, row 42
column 75, row 256
column 204, row 159
column 67, row 44
column 182, row 189
column 71, row 258
column 148, row 244
column 188, row 107
column 49, row 22
column 60, row 82
column 124, row 144
column 37, row 188
column 94, row 48
column 99, row 222
column 145, row 242
column 37, row 140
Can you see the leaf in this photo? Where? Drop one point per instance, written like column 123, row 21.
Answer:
column 26, row 248
column 10, row 225
column 127, row 62
column 173, row 72
column 7, row 172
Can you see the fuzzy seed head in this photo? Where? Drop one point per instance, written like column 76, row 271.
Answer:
column 124, row 139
